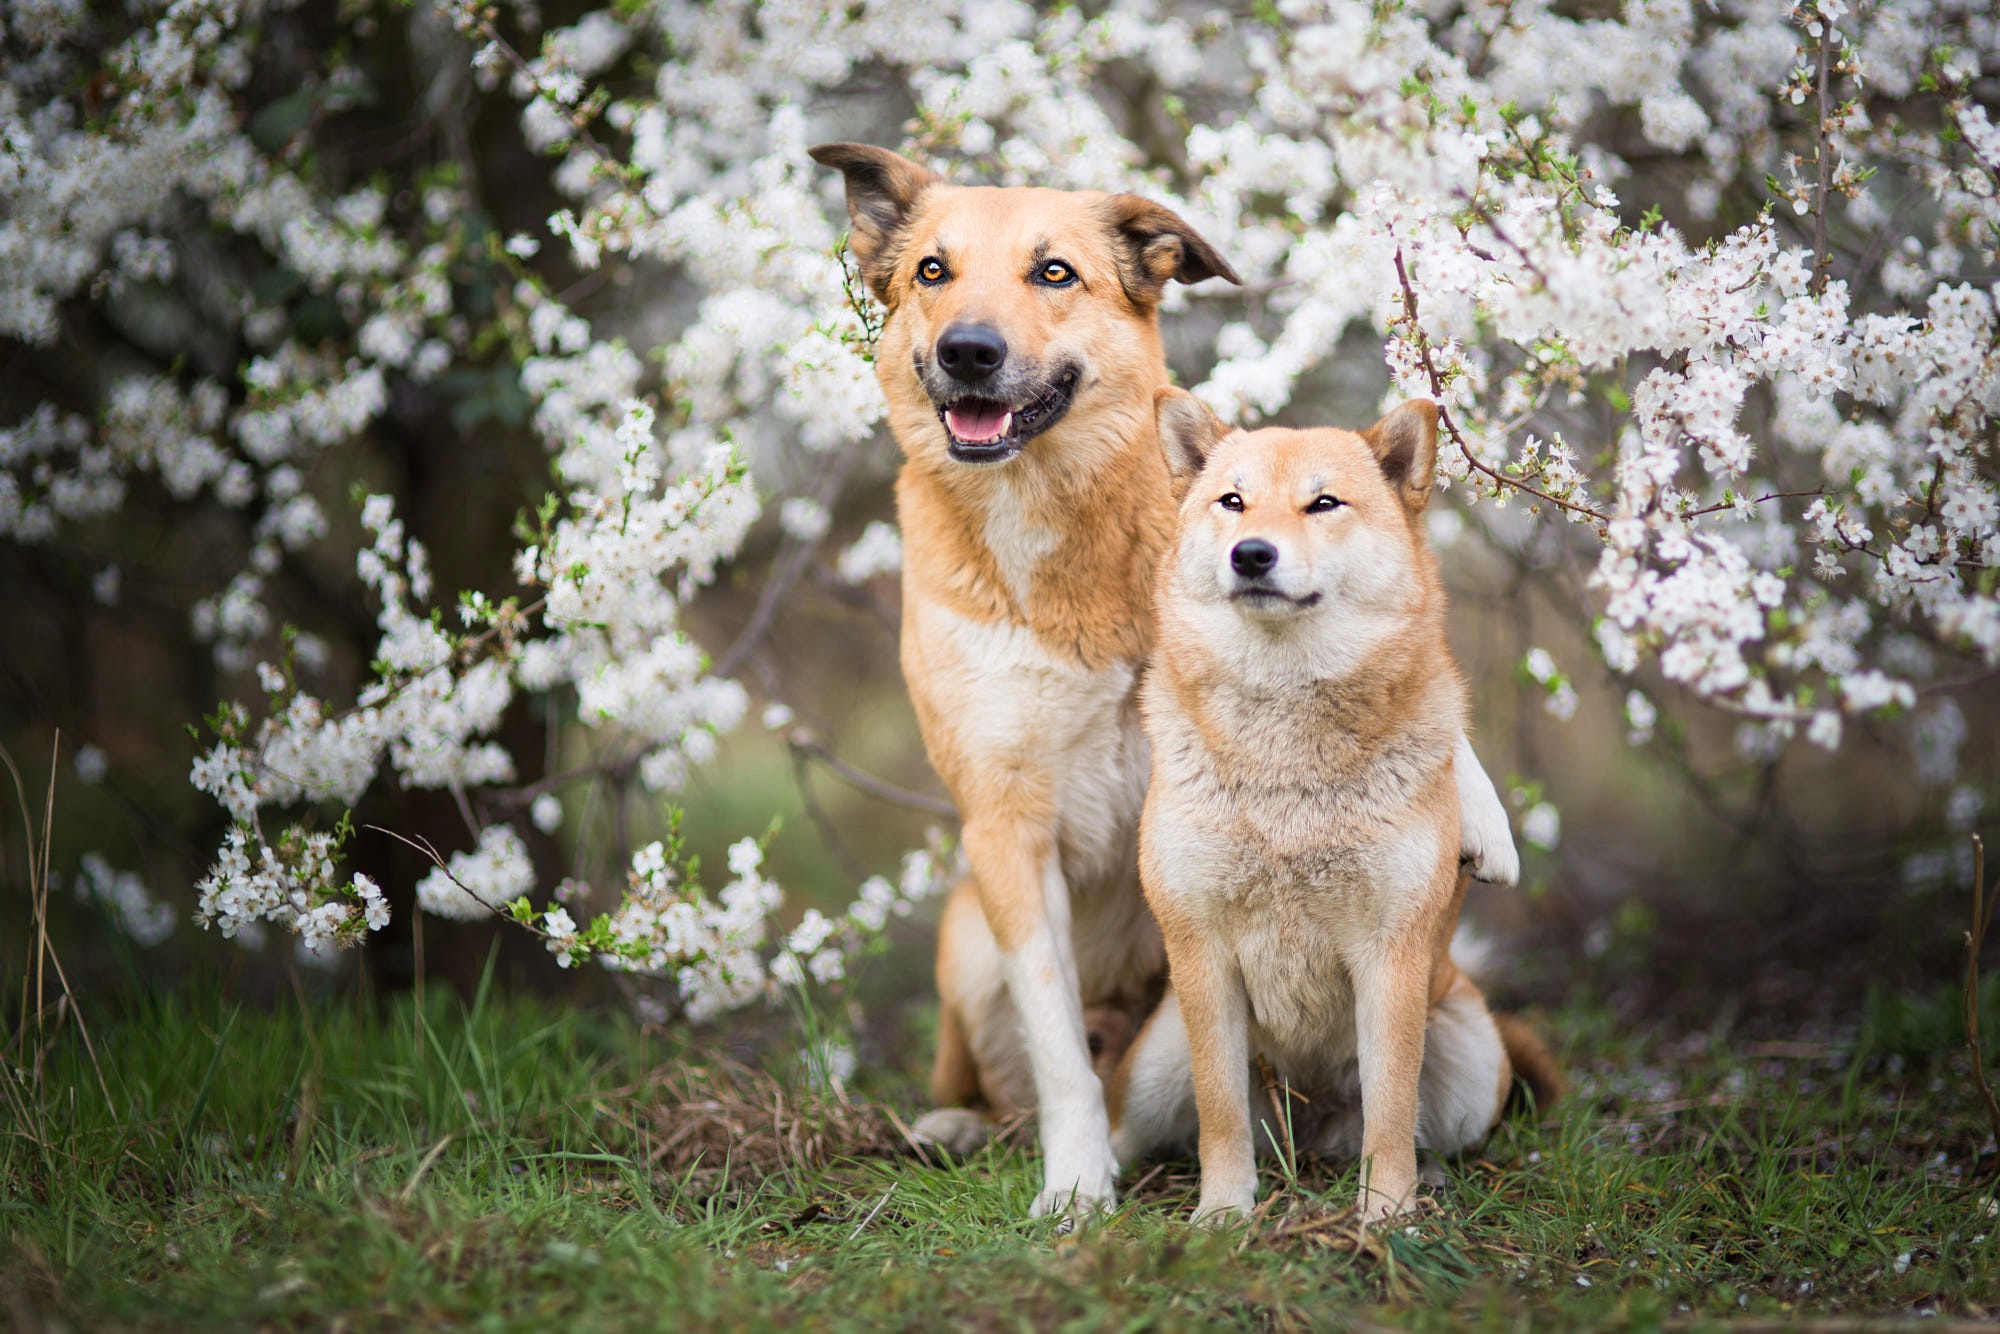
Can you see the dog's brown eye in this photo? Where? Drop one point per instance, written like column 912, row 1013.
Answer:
column 1229, row 500
column 931, row 270
column 1057, row 274
column 1324, row 504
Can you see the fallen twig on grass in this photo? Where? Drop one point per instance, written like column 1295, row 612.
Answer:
column 872, row 1212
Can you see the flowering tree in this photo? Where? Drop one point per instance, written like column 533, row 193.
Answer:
column 1704, row 292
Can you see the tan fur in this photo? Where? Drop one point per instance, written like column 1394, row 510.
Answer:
column 1026, row 590
column 1300, row 844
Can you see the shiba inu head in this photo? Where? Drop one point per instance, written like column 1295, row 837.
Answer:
column 1279, row 525
column 1012, row 311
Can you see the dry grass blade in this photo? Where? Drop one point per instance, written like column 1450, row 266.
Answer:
column 1982, row 922
column 862, row 1225
column 423, row 1166
column 38, row 874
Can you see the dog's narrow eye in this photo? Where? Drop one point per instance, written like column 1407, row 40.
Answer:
column 1229, row 500
column 932, row 270
column 1055, row 273
column 1324, row 504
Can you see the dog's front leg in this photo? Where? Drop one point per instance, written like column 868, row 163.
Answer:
column 1027, row 906
column 1216, row 1012
column 1391, row 997
column 1486, row 840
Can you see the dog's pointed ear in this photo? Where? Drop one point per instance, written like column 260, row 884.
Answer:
column 1188, row 433
column 1406, row 445
column 1156, row 246
column 882, row 190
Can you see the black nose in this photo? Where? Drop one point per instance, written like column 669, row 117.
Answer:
column 1253, row 558
column 971, row 352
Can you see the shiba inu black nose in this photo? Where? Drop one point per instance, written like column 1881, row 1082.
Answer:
column 971, row 352
column 1253, row 558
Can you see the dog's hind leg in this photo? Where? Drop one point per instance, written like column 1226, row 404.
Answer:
column 1466, row 1075
column 954, row 1124
column 973, row 1014
column 1151, row 1093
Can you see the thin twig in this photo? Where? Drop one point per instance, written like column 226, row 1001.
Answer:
column 1451, row 427
column 1768, row 495
column 790, row 565
column 803, row 742
column 872, row 1212
column 1822, row 261
column 802, row 780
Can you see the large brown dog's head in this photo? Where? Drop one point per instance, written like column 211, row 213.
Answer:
column 1011, row 310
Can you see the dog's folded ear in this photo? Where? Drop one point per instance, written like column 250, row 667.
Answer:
column 882, row 189
column 1406, row 445
column 1156, row 246
column 1188, row 432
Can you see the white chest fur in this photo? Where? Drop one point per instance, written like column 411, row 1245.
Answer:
column 1068, row 734
column 1017, row 542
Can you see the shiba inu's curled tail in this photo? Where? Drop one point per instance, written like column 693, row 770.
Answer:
column 1535, row 1070
column 1536, row 1073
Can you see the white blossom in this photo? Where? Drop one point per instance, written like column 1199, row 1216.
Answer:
column 1542, row 826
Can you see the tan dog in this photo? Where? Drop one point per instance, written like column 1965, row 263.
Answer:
column 1020, row 359
column 1300, row 844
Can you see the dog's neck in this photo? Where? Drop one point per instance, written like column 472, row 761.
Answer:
column 1384, row 691
column 1063, row 539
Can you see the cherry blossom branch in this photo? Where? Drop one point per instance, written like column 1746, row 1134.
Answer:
column 1451, row 427
column 429, row 850
column 792, row 564
column 803, row 742
column 1768, row 495
column 470, row 16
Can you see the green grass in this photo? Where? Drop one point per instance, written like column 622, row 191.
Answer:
column 506, row 1165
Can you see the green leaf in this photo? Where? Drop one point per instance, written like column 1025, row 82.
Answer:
column 274, row 125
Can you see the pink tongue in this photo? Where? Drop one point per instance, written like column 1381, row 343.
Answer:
column 978, row 425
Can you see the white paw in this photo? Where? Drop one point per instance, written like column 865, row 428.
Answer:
column 1494, row 862
column 1074, row 1197
column 1379, row 1209
column 1223, row 1207
column 1485, row 838
column 1379, row 1206
column 959, row 1131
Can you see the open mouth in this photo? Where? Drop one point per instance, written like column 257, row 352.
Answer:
column 985, row 430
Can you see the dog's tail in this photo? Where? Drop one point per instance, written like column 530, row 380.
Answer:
column 1535, row 1070
column 1536, row 1074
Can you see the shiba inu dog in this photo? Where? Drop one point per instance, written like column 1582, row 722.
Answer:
column 1301, row 837
column 1020, row 358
